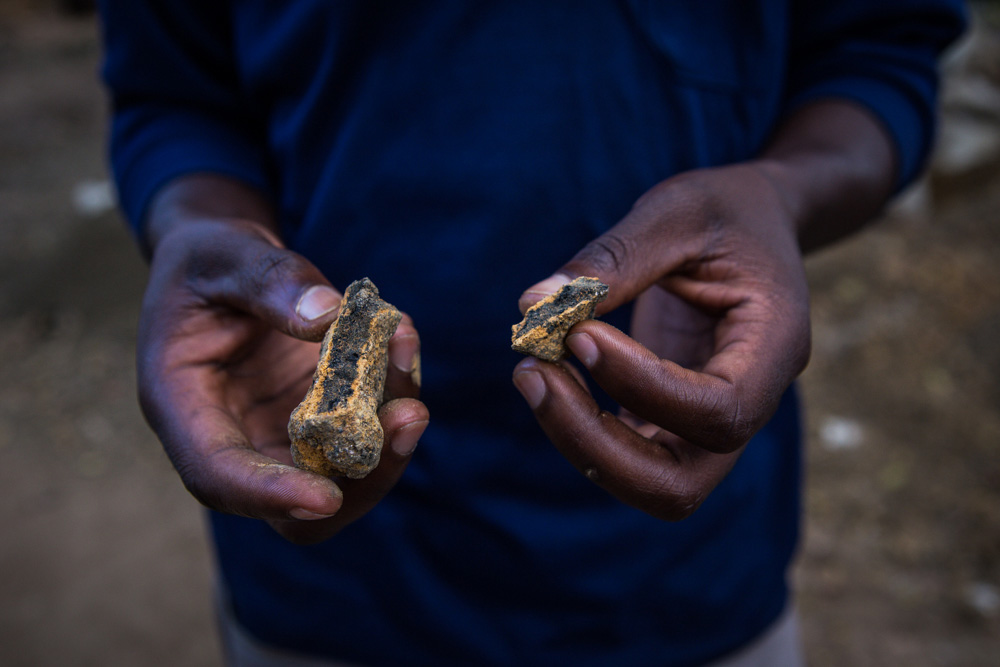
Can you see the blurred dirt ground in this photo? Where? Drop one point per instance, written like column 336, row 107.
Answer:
column 103, row 559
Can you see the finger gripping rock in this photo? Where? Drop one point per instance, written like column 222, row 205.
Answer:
column 335, row 430
column 542, row 332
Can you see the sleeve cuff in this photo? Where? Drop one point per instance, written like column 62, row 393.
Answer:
column 906, row 121
column 147, row 153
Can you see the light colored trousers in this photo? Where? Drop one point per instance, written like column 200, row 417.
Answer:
column 779, row 646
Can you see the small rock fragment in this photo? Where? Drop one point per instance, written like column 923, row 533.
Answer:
column 542, row 332
column 335, row 430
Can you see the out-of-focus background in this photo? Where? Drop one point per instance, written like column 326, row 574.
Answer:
column 103, row 556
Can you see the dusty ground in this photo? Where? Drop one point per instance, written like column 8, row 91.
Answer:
column 103, row 559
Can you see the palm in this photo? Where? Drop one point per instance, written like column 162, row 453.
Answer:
column 237, row 366
column 265, row 384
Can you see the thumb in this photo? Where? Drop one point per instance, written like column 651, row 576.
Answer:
column 626, row 258
column 244, row 266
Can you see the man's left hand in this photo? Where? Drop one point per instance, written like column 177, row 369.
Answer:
column 720, row 330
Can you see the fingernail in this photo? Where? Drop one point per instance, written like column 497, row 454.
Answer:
column 316, row 302
column 532, row 387
column 403, row 352
column 405, row 440
column 550, row 285
column 539, row 291
column 305, row 515
column 584, row 348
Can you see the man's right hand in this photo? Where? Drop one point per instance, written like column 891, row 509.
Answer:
column 228, row 342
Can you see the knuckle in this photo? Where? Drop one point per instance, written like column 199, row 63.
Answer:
column 690, row 198
column 196, row 482
column 206, row 478
column 607, row 254
column 670, row 497
column 200, row 251
column 273, row 267
column 729, row 425
column 738, row 430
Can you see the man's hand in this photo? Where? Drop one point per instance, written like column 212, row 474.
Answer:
column 720, row 326
column 720, row 329
column 227, row 347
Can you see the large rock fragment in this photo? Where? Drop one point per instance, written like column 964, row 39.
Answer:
column 542, row 332
column 335, row 430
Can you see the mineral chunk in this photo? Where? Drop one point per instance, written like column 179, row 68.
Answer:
column 335, row 430
column 542, row 332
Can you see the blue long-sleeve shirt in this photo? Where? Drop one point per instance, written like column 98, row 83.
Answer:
column 457, row 151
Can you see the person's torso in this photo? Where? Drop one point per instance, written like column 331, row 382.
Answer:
column 455, row 153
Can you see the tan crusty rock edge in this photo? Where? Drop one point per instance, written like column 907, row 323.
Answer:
column 336, row 430
column 542, row 332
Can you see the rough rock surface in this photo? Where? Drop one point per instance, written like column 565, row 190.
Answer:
column 542, row 332
column 335, row 430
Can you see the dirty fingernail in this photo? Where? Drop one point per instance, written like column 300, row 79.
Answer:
column 539, row 291
column 532, row 387
column 317, row 301
column 550, row 285
column 305, row 515
column 404, row 441
column 584, row 348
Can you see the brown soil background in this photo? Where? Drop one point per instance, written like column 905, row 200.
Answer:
column 103, row 556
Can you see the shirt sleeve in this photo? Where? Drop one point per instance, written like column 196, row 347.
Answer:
column 882, row 55
column 177, row 104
